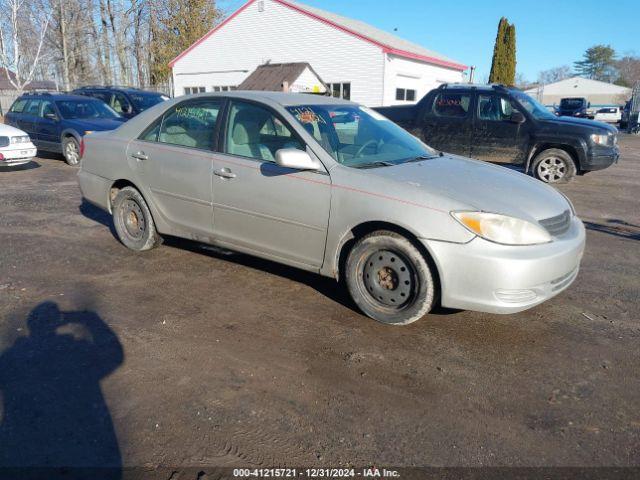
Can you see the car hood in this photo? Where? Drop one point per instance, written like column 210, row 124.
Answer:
column 95, row 124
column 572, row 122
column 479, row 186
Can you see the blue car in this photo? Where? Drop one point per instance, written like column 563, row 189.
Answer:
column 57, row 122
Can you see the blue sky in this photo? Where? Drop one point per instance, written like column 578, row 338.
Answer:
column 549, row 33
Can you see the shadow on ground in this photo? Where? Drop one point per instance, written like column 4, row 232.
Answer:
column 54, row 414
column 324, row 285
column 617, row 228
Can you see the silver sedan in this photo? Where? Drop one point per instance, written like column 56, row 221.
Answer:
column 332, row 187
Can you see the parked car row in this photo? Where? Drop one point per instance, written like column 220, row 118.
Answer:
column 57, row 122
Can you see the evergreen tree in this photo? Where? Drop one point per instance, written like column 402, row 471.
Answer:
column 503, row 65
column 598, row 63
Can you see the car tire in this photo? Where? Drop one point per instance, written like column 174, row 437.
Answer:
column 554, row 166
column 71, row 151
column 133, row 221
column 389, row 279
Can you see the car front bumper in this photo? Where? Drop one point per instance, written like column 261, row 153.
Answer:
column 17, row 156
column 601, row 158
column 488, row 277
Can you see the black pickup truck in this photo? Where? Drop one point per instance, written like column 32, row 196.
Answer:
column 504, row 125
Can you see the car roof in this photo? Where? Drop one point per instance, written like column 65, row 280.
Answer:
column 281, row 98
column 116, row 89
column 491, row 87
column 55, row 96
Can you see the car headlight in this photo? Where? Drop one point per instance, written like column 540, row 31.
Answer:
column 502, row 228
column 87, row 132
column 600, row 139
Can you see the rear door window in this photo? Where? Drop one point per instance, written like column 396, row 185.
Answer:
column 455, row 105
column 188, row 125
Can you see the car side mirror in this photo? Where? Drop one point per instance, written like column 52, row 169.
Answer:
column 296, row 159
column 126, row 109
column 517, row 117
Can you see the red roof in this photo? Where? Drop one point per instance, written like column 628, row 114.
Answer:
column 313, row 13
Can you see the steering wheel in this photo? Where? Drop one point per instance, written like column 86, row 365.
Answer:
column 363, row 147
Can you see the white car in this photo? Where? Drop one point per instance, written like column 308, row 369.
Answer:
column 16, row 147
column 609, row 115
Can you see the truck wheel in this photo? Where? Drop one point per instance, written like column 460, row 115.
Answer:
column 554, row 166
column 71, row 151
column 389, row 279
column 133, row 222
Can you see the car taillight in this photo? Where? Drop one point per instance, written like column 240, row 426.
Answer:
column 81, row 147
column 1, row 156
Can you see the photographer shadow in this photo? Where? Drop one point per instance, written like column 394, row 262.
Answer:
column 54, row 414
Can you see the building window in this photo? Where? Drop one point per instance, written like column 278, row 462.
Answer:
column 405, row 94
column 340, row 90
column 223, row 88
column 193, row 90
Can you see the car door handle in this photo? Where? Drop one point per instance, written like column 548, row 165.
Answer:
column 224, row 173
column 140, row 156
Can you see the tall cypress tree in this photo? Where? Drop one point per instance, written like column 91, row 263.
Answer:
column 503, row 64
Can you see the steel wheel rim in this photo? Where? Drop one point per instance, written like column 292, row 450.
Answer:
column 388, row 279
column 71, row 152
column 552, row 169
column 133, row 219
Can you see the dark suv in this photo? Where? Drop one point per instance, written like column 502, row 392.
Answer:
column 574, row 107
column 57, row 122
column 504, row 125
column 128, row 102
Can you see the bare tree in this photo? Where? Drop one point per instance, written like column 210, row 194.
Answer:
column 554, row 74
column 16, row 20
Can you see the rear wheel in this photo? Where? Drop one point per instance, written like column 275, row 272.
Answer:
column 389, row 279
column 133, row 222
column 554, row 166
column 71, row 151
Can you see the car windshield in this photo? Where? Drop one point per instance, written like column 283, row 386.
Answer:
column 535, row 108
column 358, row 136
column 142, row 101
column 76, row 109
column 571, row 103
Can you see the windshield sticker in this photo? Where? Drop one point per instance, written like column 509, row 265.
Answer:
column 306, row 115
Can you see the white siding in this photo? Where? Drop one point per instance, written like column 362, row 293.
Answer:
column 413, row 74
column 307, row 82
column 280, row 34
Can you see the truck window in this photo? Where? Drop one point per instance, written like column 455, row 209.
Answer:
column 494, row 108
column 452, row 105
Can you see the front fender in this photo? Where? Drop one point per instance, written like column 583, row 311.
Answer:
column 574, row 144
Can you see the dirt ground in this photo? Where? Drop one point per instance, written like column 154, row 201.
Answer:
column 206, row 358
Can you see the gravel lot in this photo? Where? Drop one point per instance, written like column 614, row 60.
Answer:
column 207, row 358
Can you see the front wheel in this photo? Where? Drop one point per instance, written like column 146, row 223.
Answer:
column 389, row 279
column 554, row 166
column 71, row 151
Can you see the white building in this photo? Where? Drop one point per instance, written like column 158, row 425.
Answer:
column 354, row 59
column 599, row 94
